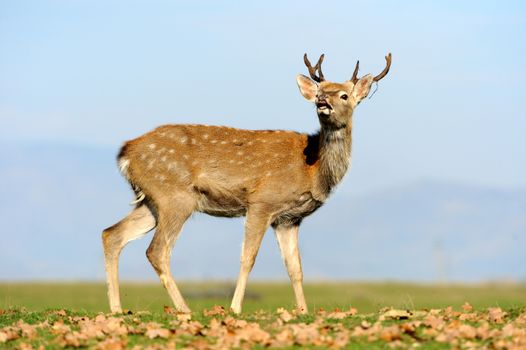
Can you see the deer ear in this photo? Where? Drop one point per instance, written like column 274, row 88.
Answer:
column 308, row 88
column 362, row 88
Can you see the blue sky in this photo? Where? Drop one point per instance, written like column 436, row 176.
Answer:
column 97, row 73
column 83, row 75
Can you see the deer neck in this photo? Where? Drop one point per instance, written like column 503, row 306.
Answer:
column 334, row 157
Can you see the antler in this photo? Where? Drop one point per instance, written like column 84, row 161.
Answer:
column 386, row 69
column 312, row 71
column 355, row 78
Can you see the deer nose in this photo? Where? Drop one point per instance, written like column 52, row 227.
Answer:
column 322, row 98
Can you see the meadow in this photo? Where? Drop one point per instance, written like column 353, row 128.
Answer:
column 342, row 315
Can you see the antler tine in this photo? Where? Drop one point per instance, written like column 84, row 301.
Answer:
column 312, row 70
column 354, row 78
column 386, row 69
column 318, row 66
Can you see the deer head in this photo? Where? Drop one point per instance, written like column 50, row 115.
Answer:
column 335, row 102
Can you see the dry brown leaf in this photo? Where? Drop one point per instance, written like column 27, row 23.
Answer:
column 467, row 307
column 25, row 346
column 114, row 326
column 61, row 313
column 495, row 314
column 191, row 327
column 284, row 315
column 365, row 324
column 396, row 314
column 214, row 311
column 157, row 333
column 283, row 339
column 391, row 333
column 60, row 328
column 169, row 310
column 337, row 315
column 435, row 322
column 111, row 344
column 28, row 331
column 184, row 317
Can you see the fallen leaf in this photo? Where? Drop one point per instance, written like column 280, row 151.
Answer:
column 214, row 311
column 184, row 317
column 396, row 314
column 157, row 333
column 467, row 307
column 495, row 314
column 169, row 310
column 284, row 315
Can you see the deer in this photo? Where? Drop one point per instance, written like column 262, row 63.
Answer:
column 275, row 178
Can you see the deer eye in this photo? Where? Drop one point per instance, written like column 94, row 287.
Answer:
column 344, row 97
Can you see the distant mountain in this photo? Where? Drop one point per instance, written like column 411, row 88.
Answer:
column 56, row 199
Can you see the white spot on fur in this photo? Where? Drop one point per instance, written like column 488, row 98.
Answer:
column 250, row 143
column 213, row 141
column 231, row 161
column 143, row 156
column 151, row 146
column 239, row 153
column 269, row 173
column 205, row 136
column 163, row 158
column 185, row 156
column 171, row 151
column 183, row 139
column 240, row 162
column 150, row 164
column 223, row 142
column 193, row 141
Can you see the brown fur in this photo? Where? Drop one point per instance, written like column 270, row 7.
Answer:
column 272, row 177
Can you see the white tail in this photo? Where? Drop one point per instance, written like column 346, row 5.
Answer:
column 274, row 178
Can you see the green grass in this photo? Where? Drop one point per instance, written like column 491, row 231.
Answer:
column 366, row 297
column 37, row 304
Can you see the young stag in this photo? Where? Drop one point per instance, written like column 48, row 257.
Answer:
column 275, row 178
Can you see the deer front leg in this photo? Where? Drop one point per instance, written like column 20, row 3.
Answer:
column 288, row 244
column 256, row 224
column 114, row 238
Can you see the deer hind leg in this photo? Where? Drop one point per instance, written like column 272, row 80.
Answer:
column 256, row 224
column 170, row 223
column 114, row 238
column 288, row 244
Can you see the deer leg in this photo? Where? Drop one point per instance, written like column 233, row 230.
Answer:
column 255, row 226
column 114, row 238
column 288, row 244
column 159, row 252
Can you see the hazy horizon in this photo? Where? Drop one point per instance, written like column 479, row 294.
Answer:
column 438, row 150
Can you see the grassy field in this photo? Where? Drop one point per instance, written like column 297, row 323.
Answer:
column 368, row 315
column 366, row 297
